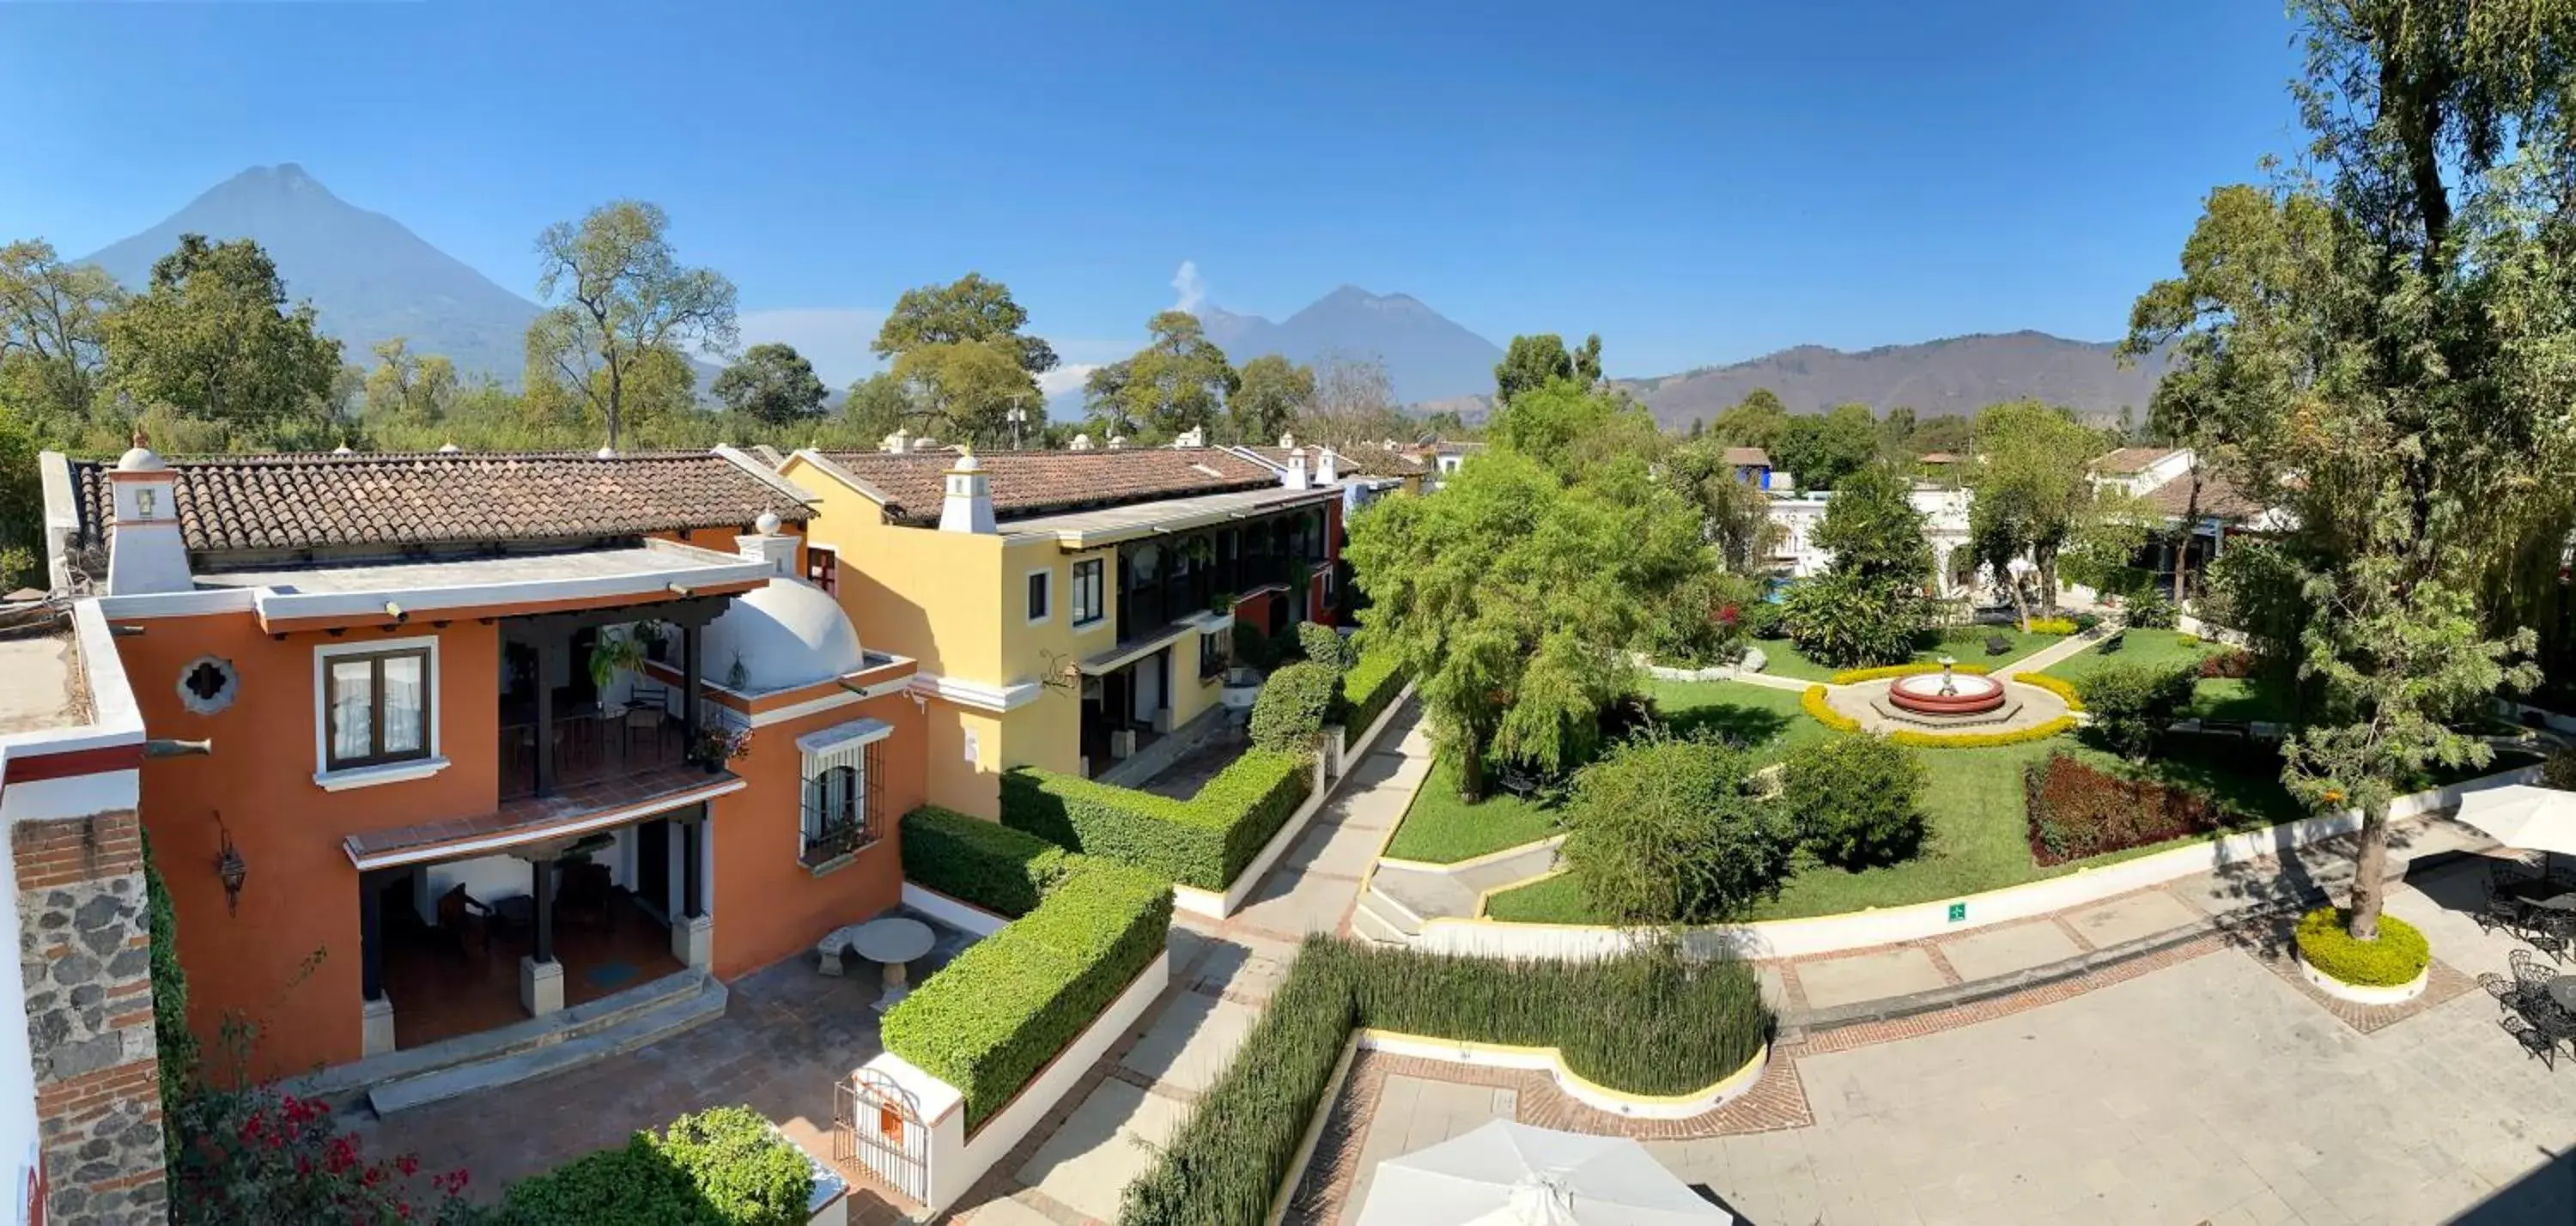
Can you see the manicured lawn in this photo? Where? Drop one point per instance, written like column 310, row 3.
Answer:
column 2246, row 698
column 1762, row 719
column 2250, row 698
column 1441, row 829
column 1967, row 643
column 2136, row 647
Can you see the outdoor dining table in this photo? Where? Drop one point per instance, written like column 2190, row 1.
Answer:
column 2546, row 895
column 2562, row 992
column 892, row 942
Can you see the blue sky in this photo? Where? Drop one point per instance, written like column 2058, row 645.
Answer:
column 1700, row 182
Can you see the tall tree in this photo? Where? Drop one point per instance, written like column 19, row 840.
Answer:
column 2032, row 496
column 52, row 331
column 1272, row 393
column 1574, row 427
column 1867, row 608
column 2379, row 349
column 1820, row 451
column 615, row 292
column 1736, row 514
column 407, row 387
column 1757, row 421
column 1353, row 401
column 212, row 338
column 1514, row 598
column 1178, row 382
column 772, row 384
column 1536, row 361
column 969, row 309
column 877, row 406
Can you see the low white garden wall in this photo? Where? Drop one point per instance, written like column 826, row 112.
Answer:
column 954, row 1160
column 1332, row 766
column 1794, row 938
column 1550, row 1061
column 957, row 913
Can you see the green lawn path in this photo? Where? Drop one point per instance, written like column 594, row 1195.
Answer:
column 2213, row 698
column 1966, row 643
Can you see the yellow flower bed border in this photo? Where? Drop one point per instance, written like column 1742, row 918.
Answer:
column 2059, row 686
column 1822, row 711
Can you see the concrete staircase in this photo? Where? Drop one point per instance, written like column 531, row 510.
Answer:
column 1401, row 895
column 524, row 1050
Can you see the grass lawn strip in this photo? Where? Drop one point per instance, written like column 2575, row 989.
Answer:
column 1966, row 643
column 1439, row 828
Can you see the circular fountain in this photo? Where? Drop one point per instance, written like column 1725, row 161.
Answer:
column 1946, row 693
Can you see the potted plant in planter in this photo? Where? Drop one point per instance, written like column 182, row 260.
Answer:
column 614, row 652
column 718, row 743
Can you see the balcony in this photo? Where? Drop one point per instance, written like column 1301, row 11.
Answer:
column 589, row 745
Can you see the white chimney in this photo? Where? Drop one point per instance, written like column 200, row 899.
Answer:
column 1118, row 442
column 899, row 442
column 1195, row 436
column 1295, row 477
column 144, row 549
column 1082, row 442
column 768, row 544
column 969, row 504
column 1287, row 441
column 1327, row 467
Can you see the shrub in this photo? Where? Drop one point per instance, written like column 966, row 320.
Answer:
column 255, row 1155
column 1324, row 645
column 2559, row 770
column 1856, row 800
column 2133, row 704
column 993, row 1017
column 1292, row 707
column 1997, row 645
column 2152, row 610
column 1760, row 619
column 2231, row 662
column 986, row 863
column 2084, row 623
column 2053, row 625
column 1372, row 683
column 2394, row 960
column 1822, row 711
column 1663, row 830
column 2187, row 640
column 721, row 1167
column 1980, row 740
column 1203, row 841
column 1854, row 676
column 1254, row 649
column 1848, row 621
column 2059, row 686
column 177, row 1044
column 2077, row 811
column 1644, row 1022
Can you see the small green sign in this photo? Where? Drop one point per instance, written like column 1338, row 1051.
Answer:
column 1958, row 912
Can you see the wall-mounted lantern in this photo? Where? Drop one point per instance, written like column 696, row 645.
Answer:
column 230, row 868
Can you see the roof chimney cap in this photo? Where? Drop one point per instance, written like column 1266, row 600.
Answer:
column 140, row 460
column 1117, row 442
column 966, row 461
column 1081, row 442
column 605, row 453
column 449, row 449
column 342, row 449
column 1287, row 440
column 767, row 524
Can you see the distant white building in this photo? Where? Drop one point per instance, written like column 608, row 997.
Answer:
column 1945, row 525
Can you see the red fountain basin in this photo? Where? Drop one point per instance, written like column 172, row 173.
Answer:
column 1969, row 695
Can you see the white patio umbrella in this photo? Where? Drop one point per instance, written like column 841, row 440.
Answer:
column 2522, row 815
column 1511, row 1174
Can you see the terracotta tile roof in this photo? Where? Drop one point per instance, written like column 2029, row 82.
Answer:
column 2129, row 460
column 1753, row 456
column 1359, row 460
column 1937, row 457
column 291, row 502
column 2219, row 498
column 1029, row 483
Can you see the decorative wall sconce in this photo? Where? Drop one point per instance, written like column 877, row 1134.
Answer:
column 230, row 868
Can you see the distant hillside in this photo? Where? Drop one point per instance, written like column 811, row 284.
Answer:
column 1958, row 375
column 367, row 276
column 1427, row 356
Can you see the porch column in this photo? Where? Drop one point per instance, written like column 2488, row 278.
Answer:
column 692, row 659
column 693, row 933
column 375, row 1010
column 548, row 648
column 540, row 976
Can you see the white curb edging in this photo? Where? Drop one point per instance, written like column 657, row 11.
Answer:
column 2360, row 994
column 1551, row 1061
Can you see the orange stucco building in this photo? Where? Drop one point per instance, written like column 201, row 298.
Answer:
column 468, row 742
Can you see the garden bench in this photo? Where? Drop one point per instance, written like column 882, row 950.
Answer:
column 828, row 951
column 1521, row 783
column 2228, row 727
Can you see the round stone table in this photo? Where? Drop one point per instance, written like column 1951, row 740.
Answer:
column 893, row 942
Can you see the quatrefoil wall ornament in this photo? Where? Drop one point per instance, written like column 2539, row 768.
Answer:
column 208, row 685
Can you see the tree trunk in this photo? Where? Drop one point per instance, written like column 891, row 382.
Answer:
column 1471, row 770
column 2190, row 526
column 2047, row 583
column 2021, row 604
column 2369, row 882
column 616, row 394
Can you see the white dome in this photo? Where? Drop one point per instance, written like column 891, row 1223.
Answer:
column 787, row 634
column 140, row 460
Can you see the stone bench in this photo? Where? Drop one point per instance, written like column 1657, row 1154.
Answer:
column 828, row 951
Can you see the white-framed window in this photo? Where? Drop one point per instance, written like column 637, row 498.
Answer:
column 375, row 711
column 843, row 812
column 1089, row 592
column 1041, row 594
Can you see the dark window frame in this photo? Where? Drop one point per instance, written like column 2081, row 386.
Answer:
column 824, row 836
column 378, row 756
column 1090, row 579
column 1041, row 595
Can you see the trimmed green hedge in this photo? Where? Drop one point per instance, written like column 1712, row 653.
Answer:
column 1372, row 683
column 2394, row 960
column 1205, row 841
column 1644, row 1022
column 986, row 863
column 722, row 1167
column 1294, row 702
column 990, row 1019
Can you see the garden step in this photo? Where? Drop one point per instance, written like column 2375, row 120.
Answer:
column 1389, row 913
column 1420, row 896
column 1520, row 865
column 630, row 1025
column 1368, row 925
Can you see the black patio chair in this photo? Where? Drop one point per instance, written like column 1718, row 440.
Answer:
column 2535, row 1041
column 2511, row 996
column 2550, row 932
column 2499, row 911
column 2528, row 973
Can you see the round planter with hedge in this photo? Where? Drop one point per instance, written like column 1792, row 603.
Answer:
column 2393, row 968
